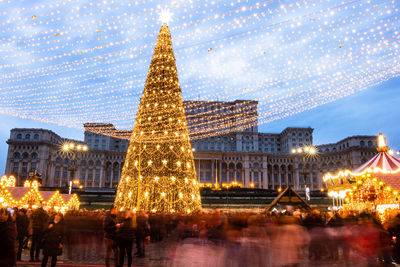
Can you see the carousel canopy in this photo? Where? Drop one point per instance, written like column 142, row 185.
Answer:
column 383, row 161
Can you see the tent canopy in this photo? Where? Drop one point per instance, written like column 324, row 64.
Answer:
column 289, row 197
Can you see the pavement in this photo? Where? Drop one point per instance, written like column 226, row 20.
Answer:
column 91, row 254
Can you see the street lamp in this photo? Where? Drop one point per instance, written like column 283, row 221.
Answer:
column 305, row 152
column 73, row 148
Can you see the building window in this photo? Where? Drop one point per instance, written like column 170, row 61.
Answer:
column 17, row 155
column 362, row 143
column 57, row 173
column 36, row 137
column 15, row 167
column 33, row 166
column 34, row 156
column 369, row 143
column 19, row 136
column 64, row 174
column 27, row 137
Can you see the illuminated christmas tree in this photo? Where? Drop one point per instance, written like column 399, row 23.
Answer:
column 159, row 172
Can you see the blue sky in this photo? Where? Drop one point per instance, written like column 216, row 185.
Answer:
column 322, row 63
column 369, row 112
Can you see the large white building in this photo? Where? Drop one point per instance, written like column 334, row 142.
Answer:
column 237, row 154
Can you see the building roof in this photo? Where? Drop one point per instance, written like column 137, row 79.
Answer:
column 289, row 197
column 18, row 192
column 390, row 179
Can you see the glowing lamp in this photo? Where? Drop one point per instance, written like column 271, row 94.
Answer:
column 165, row 16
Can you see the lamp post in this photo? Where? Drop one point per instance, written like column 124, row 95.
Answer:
column 303, row 153
column 73, row 148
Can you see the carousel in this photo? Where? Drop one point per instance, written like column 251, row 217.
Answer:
column 374, row 186
column 29, row 196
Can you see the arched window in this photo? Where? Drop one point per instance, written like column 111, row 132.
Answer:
column 369, row 143
column 25, row 156
column 58, row 160
column 362, row 143
column 65, row 161
column 19, row 136
column 255, row 165
column 34, row 156
column 27, row 137
column 17, row 155
column 36, row 137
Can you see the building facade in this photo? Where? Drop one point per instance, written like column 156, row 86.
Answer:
column 239, row 155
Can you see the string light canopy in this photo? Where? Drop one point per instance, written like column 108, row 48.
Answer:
column 158, row 173
column 374, row 185
column 71, row 61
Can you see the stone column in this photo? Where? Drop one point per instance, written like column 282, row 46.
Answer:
column 112, row 175
column 296, row 176
column 287, row 175
column 220, row 172
column 213, row 175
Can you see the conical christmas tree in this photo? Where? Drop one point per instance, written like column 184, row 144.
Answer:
column 159, row 172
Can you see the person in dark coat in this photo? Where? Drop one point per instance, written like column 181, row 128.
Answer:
column 125, row 235
column 22, row 230
column 53, row 240
column 110, row 228
column 142, row 232
column 39, row 221
column 7, row 239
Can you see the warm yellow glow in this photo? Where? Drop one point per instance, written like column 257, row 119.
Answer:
column 165, row 16
column 167, row 143
column 312, row 150
column 381, row 141
column 65, row 147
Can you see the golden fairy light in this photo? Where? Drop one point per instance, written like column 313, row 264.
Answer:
column 164, row 157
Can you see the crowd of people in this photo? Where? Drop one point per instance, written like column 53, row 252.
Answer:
column 214, row 238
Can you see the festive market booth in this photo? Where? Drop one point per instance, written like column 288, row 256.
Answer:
column 29, row 196
column 374, row 186
column 286, row 198
column 71, row 201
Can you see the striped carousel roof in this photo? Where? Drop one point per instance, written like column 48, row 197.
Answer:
column 382, row 161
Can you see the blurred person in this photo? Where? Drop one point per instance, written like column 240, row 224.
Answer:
column 22, row 230
column 142, row 233
column 53, row 240
column 200, row 252
column 314, row 223
column 368, row 239
column 288, row 239
column 125, row 235
column 254, row 250
column 8, row 238
column 39, row 220
column 110, row 227
column 395, row 231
